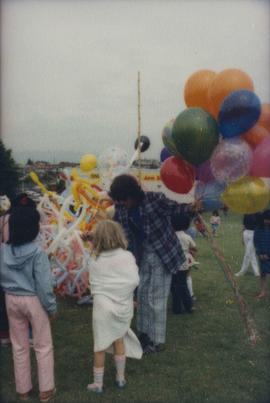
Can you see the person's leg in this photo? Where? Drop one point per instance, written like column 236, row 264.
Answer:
column 142, row 318
column 246, row 259
column 157, row 301
column 120, row 362
column 18, row 328
column 185, row 294
column 43, row 346
column 253, row 259
column 176, row 293
column 98, row 372
column 263, row 282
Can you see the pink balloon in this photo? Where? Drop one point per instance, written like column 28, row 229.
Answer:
column 261, row 160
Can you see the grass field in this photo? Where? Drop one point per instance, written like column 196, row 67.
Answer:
column 207, row 359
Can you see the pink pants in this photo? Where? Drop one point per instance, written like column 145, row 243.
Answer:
column 21, row 310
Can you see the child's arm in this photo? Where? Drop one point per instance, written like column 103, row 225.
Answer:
column 43, row 281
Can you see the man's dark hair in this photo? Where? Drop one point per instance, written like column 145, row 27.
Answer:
column 124, row 187
column 23, row 225
column 180, row 222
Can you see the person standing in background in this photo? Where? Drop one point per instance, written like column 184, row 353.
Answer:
column 250, row 222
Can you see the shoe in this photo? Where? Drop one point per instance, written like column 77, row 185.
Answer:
column 5, row 342
column 24, row 396
column 144, row 340
column 159, row 347
column 239, row 274
column 259, row 297
column 121, row 384
column 148, row 349
column 46, row 396
column 153, row 348
column 94, row 388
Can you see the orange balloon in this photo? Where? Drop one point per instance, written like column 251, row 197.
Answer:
column 223, row 84
column 196, row 89
column 264, row 119
column 255, row 135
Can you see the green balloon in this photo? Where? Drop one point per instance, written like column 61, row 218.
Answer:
column 195, row 135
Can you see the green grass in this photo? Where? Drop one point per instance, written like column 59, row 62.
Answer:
column 207, row 359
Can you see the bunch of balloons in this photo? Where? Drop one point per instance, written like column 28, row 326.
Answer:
column 63, row 219
column 224, row 137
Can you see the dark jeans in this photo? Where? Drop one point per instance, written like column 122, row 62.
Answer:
column 180, row 292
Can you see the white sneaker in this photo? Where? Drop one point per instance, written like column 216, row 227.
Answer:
column 239, row 274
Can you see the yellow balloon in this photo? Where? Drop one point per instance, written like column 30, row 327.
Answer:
column 88, row 162
column 247, row 195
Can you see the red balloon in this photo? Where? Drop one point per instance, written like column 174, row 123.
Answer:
column 177, row 175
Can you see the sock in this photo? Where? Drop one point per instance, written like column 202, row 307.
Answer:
column 120, row 363
column 98, row 376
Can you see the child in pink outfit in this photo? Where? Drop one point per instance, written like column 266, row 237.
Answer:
column 27, row 283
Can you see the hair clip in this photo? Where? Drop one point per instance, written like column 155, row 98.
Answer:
column 24, row 201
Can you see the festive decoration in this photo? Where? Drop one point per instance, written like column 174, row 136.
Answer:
column 264, row 119
column 231, row 160
column 255, row 135
column 238, row 113
column 112, row 162
column 177, row 175
column 88, row 163
column 261, row 159
column 210, row 195
column 247, row 195
column 195, row 135
column 164, row 154
column 223, row 84
column 204, row 173
column 196, row 89
column 167, row 139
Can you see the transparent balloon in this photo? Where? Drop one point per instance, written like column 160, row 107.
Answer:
column 210, row 194
column 231, row 160
column 112, row 162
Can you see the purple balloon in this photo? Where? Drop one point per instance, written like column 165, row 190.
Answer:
column 204, row 173
column 164, row 154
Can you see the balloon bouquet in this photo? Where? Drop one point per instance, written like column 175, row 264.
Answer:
column 64, row 217
column 62, row 221
column 222, row 139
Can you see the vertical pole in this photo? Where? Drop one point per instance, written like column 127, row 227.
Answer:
column 139, row 128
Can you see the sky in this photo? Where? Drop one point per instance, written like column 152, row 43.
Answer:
column 70, row 68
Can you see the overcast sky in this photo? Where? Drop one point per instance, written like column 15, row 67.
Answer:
column 69, row 68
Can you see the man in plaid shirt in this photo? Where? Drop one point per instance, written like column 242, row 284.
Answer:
column 145, row 219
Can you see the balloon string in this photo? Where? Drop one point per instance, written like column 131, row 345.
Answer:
column 253, row 336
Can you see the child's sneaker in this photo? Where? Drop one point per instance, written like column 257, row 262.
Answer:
column 93, row 387
column 46, row 396
column 121, row 384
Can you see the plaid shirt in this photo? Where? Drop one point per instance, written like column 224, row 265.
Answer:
column 155, row 212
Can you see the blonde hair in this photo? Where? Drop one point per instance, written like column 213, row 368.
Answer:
column 108, row 235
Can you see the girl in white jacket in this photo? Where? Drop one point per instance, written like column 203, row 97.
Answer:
column 113, row 277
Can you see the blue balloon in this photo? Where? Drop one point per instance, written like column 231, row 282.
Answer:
column 210, row 194
column 164, row 154
column 238, row 113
